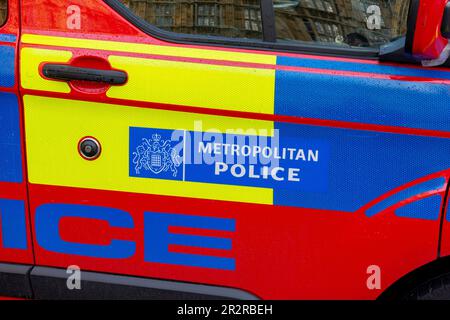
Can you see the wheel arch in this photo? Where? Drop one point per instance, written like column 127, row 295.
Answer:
column 406, row 284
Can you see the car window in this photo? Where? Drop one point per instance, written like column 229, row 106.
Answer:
column 331, row 24
column 3, row 11
column 231, row 19
column 358, row 23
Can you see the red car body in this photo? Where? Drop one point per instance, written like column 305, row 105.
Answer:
column 378, row 198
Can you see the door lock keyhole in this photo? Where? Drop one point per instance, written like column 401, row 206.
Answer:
column 89, row 148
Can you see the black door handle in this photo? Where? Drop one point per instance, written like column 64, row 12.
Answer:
column 69, row 73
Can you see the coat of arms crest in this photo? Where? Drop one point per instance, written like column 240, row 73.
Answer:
column 156, row 155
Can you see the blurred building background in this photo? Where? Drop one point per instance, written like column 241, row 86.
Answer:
column 331, row 21
column 228, row 18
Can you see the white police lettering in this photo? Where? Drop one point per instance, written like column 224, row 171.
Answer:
column 235, row 157
column 270, row 169
column 253, row 172
column 226, row 149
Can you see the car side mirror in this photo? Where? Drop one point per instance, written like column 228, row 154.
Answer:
column 427, row 36
column 424, row 38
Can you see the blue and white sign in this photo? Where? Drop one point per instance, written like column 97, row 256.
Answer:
column 153, row 155
column 274, row 161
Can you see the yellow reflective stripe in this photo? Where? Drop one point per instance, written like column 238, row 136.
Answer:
column 169, row 82
column 30, row 60
column 55, row 126
column 175, row 51
column 196, row 84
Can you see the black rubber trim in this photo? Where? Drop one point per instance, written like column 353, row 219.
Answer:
column 368, row 53
column 14, row 280
column 443, row 218
column 268, row 21
column 446, row 22
column 50, row 283
column 395, row 52
column 411, row 25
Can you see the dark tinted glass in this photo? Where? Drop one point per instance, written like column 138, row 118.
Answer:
column 228, row 18
column 3, row 11
column 359, row 23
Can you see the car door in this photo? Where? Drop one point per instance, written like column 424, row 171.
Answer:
column 15, row 244
column 259, row 146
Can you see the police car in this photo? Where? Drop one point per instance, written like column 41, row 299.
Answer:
column 244, row 149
